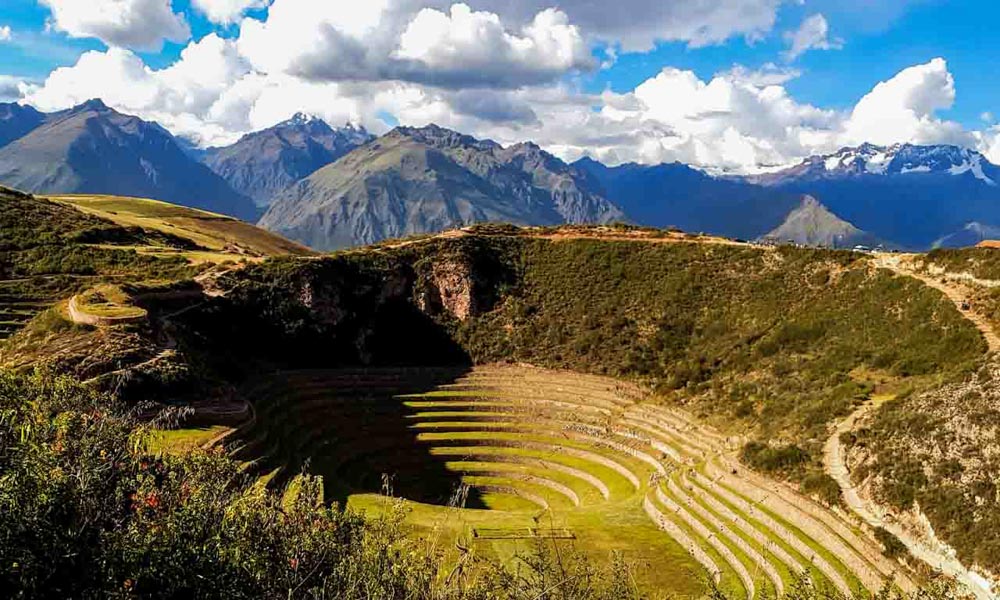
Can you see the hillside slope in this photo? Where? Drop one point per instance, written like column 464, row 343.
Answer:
column 139, row 252
column 94, row 149
column 414, row 181
column 264, row 163
column 207, row 230
column 929, row 458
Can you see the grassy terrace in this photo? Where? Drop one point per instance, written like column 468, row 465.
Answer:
column 18, row 306
column 484, row 457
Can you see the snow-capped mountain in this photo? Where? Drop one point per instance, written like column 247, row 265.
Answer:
column 909, row 195
column 899, row 159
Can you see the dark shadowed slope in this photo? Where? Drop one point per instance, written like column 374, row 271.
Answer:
column 17, row 121
column 94, row 149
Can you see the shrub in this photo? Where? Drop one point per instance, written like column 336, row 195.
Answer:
column 823, row 487
column 891, row 546
column 774, row 459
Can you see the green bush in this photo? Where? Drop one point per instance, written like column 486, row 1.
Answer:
column 781, row 460
column 891, row 546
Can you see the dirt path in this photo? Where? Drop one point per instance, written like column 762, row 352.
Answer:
column 900, row 265
column 924, row 546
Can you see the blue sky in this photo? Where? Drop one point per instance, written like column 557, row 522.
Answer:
column 964, row 32
column 867, row 41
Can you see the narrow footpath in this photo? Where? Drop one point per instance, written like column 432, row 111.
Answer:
column 926, row 547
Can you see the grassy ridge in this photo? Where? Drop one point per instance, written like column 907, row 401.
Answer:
column 207, row 231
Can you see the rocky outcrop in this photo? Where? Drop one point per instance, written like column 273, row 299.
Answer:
column 449, row 289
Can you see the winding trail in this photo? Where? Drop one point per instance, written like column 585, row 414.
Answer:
column 898, row 264
column 925, row 547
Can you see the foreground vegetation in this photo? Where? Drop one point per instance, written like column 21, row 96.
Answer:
column 87, row 511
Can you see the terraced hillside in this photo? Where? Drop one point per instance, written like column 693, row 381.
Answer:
column 52, row 249
column 19, row 306
column 778, row 342
column 500, row 456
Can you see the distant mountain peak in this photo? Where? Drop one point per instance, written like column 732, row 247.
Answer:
column 813, row 224
column 426, row 179
column 301, row 118
column 94, row 104
column 972, row 234
column 17, row 120
column 263, row 163
column 93, row 149
column 441, row 137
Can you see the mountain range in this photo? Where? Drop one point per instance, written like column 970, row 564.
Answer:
column 92, row 149
column 429, row 179
column 910, row 195
column 337, row 187
column 262, row 164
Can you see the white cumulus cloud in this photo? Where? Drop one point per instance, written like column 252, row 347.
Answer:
column 812, row 34
column 504, row 71
column 6, row 33
column 10, row 88
column 467, row 47
column 638, row 24
column 381, row 41
column 140, row 24
column 181, row 96
column 226, row 12
column 739, row 121
column 903, row 109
